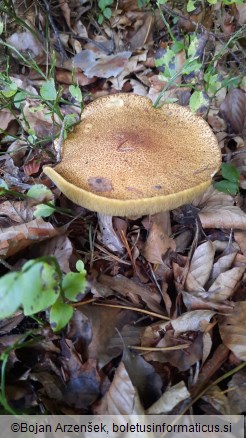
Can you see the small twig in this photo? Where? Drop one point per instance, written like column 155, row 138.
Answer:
column 147, row 349
column 135, row 309
column 59, row 43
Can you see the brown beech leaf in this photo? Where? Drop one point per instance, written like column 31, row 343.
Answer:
column 233, row 110
column 218, row 400
column 18, row 237
column 223, row 264
column 233, row 330
column 224, row 286
column 192, row 321
column 32, row 166
column 104, row 66
column 68, row 77
column 212, row 198
column 157, row 244
column 237, row 399
column 59, row 246
column 16, row 211
column 122, row 397
column 5, row 118
column 131, row 290
column 171, row 397
column 200, row 267
column 223, row 217
column 193, row 302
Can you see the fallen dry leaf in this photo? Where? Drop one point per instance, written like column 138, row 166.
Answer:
column 233, row 330
column 192, row 321
column 233, row 110
column 26, row 41
column 40, row 120
column 158, row 242
column 224, row 286
column 59, row 246
column 6, row 117
column 237, row 392
column 171, row 397
column 223, row 217
column 18, row 237
column 17, row 211
column 103, row 66
column 133, row 291
column 218, row 400
column 122, row 397
column 200, row 267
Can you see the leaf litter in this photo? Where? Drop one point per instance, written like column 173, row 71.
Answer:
column 162, row 314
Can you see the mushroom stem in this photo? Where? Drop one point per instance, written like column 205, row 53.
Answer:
column 108, row 237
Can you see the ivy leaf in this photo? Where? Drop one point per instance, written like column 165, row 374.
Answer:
column 10, row 297
column 226, row 186
column 48, row 90
column 230, row 172
column 38, row 288
column 60, row 315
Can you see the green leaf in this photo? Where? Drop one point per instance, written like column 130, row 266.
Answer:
column 178, row 46
column 69, row 120
column 3, row 184
column 100, row 18
column 190, row 66
column 38, row 287
column 191, row 6
column 60, row 315
column 168, row 61
column 197, row 101
column 230, row 172
column 107, row 12
column 48, row 90
column 76, row 92
column 104, row 3
column 231, row 2
column 213, row 83
column 212, row 2
column 162, row 2
column 80, row 267
column 73, row 285
column 43, row 210
column 226, row 186
column 9, row 89
column 40, row 193
column 10, row 294
column 19, row 99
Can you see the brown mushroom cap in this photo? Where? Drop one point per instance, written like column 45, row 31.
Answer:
column 127, row 157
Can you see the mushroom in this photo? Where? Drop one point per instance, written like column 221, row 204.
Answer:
column 128, row 158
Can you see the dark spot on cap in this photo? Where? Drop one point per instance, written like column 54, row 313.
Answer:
column 158, row 187
column 99, row 184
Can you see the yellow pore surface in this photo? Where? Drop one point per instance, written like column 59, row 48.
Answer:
column 126, row 157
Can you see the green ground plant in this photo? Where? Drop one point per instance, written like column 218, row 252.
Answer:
column 40, row 285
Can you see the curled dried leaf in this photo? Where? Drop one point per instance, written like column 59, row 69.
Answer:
column 233, row 110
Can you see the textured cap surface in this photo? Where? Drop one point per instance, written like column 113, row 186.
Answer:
column 127, row 157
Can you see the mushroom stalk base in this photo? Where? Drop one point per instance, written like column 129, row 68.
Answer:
column 108, row 236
